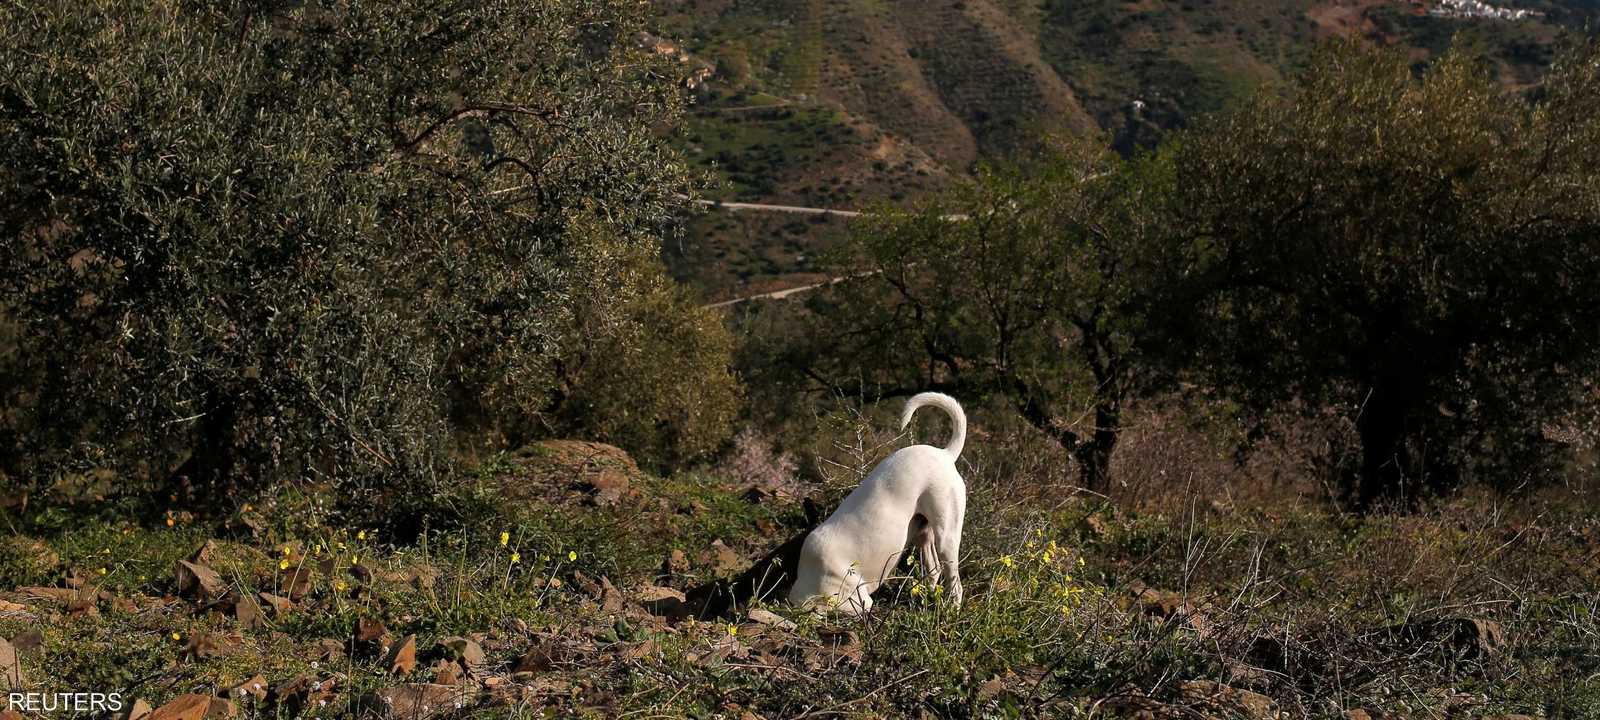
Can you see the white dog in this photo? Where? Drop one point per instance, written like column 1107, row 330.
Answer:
column 915, row 498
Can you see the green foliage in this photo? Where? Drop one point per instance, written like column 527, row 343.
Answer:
column 262, row 241
column 1424, row 251
column 1024, row 284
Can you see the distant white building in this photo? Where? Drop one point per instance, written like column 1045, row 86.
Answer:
column 1478, row 9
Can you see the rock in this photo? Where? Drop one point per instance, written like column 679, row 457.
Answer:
column 255, row 687
column 992, row 687
column 329, row 650
column 10, row 667
column 248, row 612
column 415, row 701
column 447, row 672
column 207, row 553
column 609, row 487
column 302, row 693
column 469, row 652
column 371, row 637
column 771, row 619
column 221, row 709
column 723, row 558
column 676, row 563
column 199, row 581
column 139, row 711
column 1252, row 705
column 204, row 645
column 403, row 657
column 657, row 593
column 296, row 582
column 611, row 599
column 277, row 603
column 183, row 707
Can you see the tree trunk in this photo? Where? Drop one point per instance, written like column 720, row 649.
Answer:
column 1385, row 461
column 1094, row 456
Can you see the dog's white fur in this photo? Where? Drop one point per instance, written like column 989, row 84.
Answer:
column 914, row 498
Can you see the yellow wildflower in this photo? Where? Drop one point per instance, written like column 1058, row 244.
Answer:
column 516, row 557
column 286, row 551
column 102, row 571
column 283, row 564
column 916, row 590
column 361, row 535
column 1006, row 560
column 572, row 556
column 176, row 636
column 1048, row 558
column 505, row 538
column 355, row 560
column 733, row 630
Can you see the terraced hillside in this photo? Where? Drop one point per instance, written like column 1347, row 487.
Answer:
column 841, row 103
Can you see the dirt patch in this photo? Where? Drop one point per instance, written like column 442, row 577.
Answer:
column 571, row 472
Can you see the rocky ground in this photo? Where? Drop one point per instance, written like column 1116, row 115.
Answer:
column 561, row 581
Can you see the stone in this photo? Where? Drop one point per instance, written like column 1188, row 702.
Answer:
column 403, row 657
column 10, row 667
column 277, row 603
column 139, row 711
column 469, row 652
column 657, row 593
column 199, row 581
column 248, row 612
column 771, row 619
column 255, row 687
column 184, row 707
column 676, row 563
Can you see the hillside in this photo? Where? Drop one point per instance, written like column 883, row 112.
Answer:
column 833, row 103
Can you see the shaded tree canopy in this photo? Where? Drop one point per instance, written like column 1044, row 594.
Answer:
column 1024, row 284
column 1423, row 250
column 268, row 240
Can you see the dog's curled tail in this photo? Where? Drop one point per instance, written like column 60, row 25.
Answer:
column 958, row 419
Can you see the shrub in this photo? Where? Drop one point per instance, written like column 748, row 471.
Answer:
column 248, row 242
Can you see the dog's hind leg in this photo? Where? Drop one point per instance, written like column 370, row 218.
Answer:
column 947, row 546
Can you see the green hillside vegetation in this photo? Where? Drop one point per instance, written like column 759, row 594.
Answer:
column 341, row 374
column 947, row 83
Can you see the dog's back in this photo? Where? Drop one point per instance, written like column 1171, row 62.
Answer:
column 846, row 557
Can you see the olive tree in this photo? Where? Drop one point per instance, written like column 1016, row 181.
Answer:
column 260, row 240
column 1023, row 284
column 1421, row 249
